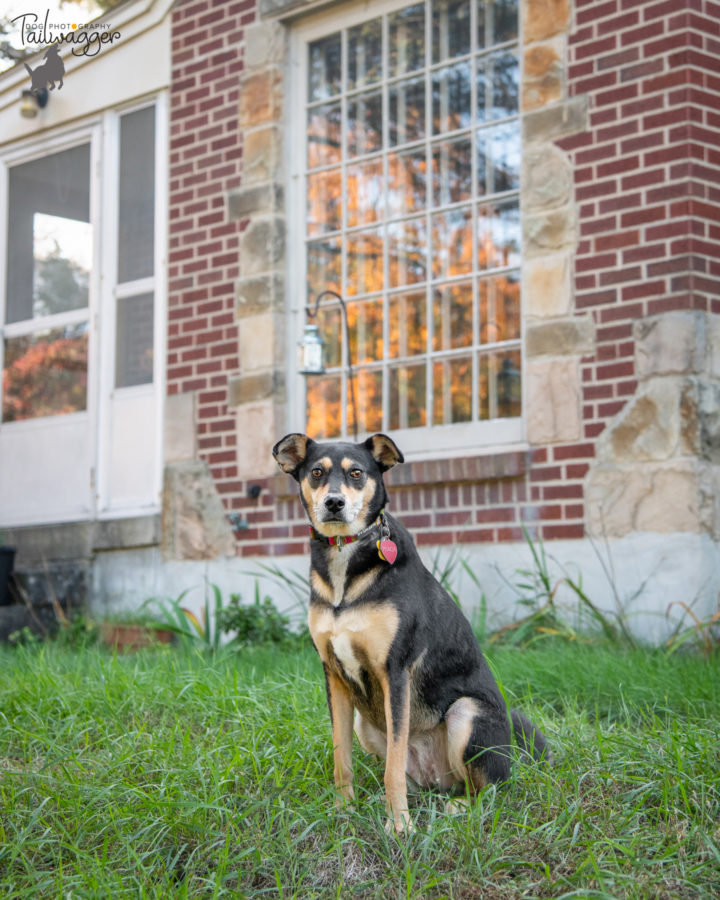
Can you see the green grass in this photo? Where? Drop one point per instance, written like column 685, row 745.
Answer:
column 177, row 774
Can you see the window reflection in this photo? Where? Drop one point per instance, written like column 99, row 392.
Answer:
column 62, row 259
column 45, row 374
column 423, row 201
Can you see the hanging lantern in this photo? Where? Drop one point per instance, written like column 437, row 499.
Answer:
column 311, row 352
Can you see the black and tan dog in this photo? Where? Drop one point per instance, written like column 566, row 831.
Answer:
column 394, row 646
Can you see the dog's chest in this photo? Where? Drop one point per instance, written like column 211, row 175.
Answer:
column 354, row 639
column 337, row 572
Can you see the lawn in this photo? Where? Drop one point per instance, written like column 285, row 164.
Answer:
column 171, row 773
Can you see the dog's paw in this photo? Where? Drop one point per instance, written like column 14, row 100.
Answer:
column 400, row 824
column 456, row 805
column 345, row 801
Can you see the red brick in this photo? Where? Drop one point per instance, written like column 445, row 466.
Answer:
column 616, row 241
column 550, row 532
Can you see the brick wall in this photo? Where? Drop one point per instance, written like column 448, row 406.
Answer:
column 647, row 177
column 205, row 165
column 644, row 213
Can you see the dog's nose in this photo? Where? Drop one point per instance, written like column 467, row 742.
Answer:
column 334, row 503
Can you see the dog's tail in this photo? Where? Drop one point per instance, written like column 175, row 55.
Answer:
column 529, row 737
column 30, row 71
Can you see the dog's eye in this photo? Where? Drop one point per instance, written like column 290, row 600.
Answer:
column 356, row 473
column 317, row 472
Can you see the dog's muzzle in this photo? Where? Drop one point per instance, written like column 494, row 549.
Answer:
column 335, row 508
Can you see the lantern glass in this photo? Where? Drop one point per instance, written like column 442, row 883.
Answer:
column 310, row 352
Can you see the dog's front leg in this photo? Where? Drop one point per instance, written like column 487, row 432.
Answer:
column 341, row 716
column 396, row 691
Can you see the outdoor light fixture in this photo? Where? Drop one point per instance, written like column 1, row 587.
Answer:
column 311, row 349
column 31, row 101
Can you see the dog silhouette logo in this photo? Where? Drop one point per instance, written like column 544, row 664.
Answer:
column 49, row 72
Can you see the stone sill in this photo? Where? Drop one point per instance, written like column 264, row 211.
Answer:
column 38, row 544
column 468, row 469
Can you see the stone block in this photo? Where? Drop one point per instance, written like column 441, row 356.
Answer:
column 261, row 342
column 544, row 18
column 265, row 197
column 713, row 345
column 708, row 414
column 249, row 388
column 547, row 285
column 547, row 178
column 553, row 400
column 194, row 523
column 667, row 418
column 258, row 427
column 264, row 45
column 180, row 430
column 259, row 294
column 544, row 75
column 660, row 498
column 561, row 120
column 561, row 337
column 262, row 155
column 550, row 232
column 651, row 427
column 263, row 245
column 261, row 97
column 670, row 344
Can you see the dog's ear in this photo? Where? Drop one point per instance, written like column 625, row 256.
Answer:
column 290, row 452
column 383, row 451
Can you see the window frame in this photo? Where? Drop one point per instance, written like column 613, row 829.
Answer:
column 101, row 131
column 492, row 435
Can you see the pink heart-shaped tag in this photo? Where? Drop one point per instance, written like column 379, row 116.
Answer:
column 388, row 549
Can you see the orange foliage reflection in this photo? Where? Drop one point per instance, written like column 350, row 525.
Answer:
column 45, row 374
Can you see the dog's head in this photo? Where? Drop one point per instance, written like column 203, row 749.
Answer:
column 341, row 484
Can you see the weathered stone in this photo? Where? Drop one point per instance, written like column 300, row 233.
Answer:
column 708, row 412
column 267, row 197
column 650, row 427
column 261, row 342
column 661, row 498
column 261, row 98
column 543, row 75
column 262, row 155
column 553, row 400
column 670, row 344
column 258, row 425
column 549, row 232
column 264, row 44
column 180, row 429
column 249, row 388
column 713, row 345
column 546, row 285
column 667, row 418
column 547, row 178
column 194, row 524
column 563, row 120
column 259, row 294
column 125, row 534
column 561, row 337
column 544, row 18
column 263, row 245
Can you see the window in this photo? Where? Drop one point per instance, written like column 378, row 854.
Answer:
column 50, row 247
column 410, row 207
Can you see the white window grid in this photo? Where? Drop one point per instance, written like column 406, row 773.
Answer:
column 506, row 431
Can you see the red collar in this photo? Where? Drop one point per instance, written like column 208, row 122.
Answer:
column 341, row 540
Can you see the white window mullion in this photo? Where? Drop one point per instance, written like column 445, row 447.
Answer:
column 107, row 311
